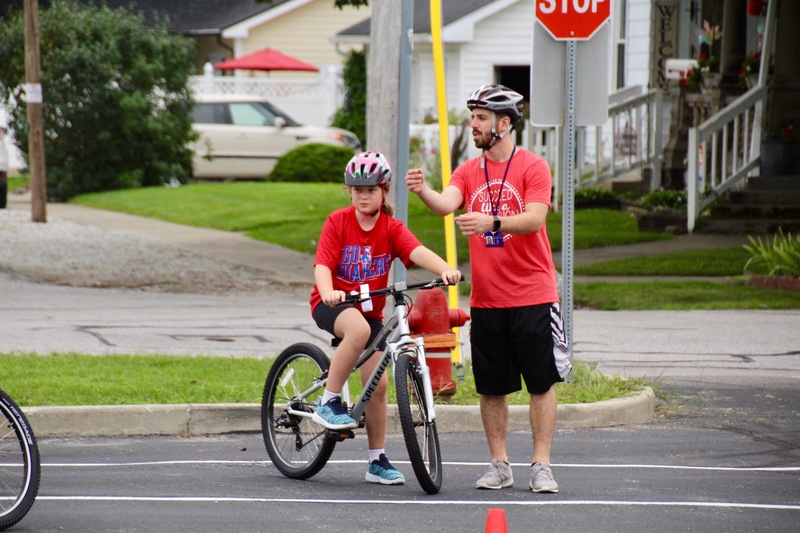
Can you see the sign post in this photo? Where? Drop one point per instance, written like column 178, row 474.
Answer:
column 570, row 44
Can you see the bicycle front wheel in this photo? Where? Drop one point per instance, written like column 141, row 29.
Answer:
column 20, row 469
column 298, row 446
column 422, row 440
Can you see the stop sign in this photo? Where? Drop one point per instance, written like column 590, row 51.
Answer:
column 572, row 19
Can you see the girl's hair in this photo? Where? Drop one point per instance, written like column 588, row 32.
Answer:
column 387, row 207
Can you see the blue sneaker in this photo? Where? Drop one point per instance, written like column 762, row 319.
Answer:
column 382, row 471
column 333, row 415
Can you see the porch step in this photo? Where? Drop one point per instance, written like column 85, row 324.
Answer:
column 767, row 204
column 774, row 183
column 746, row 226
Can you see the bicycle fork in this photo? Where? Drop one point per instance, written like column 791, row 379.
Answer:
column 418, row 351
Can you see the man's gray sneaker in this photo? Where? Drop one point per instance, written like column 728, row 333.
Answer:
column 499, row 476
column 542, row 478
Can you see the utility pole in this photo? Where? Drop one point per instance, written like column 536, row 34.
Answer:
column 33, row 94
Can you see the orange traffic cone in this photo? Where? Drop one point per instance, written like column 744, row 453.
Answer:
column 496, row 521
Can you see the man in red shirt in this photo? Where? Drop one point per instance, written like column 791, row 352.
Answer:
column 516, row 328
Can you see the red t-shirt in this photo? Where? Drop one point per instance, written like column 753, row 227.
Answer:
column 521, row 272
column 356, row 256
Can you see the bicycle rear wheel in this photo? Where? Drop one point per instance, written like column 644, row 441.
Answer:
column 298, row 446
column 422, row 440
column 20, row 469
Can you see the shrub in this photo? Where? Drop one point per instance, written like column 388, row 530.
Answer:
column 665, row 199
column 588, row 197
column 779, row 257
column 312, row 163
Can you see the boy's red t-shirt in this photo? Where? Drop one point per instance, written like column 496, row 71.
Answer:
column 355, row 256
column 521, row 272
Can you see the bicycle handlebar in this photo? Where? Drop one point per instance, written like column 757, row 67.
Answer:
column 394, row 289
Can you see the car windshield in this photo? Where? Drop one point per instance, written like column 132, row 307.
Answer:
column 240, row 114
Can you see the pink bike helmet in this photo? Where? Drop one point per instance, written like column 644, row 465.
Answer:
column 368, row 169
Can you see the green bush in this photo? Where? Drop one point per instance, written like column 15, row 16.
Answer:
column 779, row 257
column 590, row 197
column 312, row 163
column 665, row 198
column 116, row 104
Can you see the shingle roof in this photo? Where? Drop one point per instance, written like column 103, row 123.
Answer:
column 452, row 10
column 185, row 16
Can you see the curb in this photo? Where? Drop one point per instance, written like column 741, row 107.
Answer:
column 208, row 419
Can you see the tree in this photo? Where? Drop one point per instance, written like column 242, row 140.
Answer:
column 352, row 115
column 116, row 102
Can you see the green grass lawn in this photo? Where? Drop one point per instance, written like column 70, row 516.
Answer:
column 74, row 379
column 680, row 295
column 292, row 214
column 717, row 262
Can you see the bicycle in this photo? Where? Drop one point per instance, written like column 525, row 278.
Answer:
column 300, row 448
column 20, row 469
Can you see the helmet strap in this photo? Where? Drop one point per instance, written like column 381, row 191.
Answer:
column 498, row 136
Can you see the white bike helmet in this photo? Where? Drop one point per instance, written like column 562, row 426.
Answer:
column 497, row 99
column 368, row 169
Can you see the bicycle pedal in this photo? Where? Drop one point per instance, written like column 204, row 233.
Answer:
column 341, row 434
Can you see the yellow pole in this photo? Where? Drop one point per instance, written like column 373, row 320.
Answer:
column 441, row 105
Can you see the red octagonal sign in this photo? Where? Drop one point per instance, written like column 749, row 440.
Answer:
column 572, row 19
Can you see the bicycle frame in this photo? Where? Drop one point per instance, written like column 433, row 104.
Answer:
column 398, row 336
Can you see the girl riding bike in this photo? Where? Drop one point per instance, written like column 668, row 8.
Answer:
column 357, row 247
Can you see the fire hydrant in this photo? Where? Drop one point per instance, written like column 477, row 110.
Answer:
column 431, row 318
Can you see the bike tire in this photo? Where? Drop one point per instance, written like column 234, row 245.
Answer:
column 422, row 439
column 20, row 469
column 298, row 446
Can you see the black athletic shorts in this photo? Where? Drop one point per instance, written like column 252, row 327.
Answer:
column 513, row 343
column 325, row 317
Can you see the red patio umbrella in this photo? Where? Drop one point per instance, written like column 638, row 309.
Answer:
column 267, row 59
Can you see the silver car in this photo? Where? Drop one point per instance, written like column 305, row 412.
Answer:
column 243, row 137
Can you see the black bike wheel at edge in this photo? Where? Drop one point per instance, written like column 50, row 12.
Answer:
column 20, row 470
column 298, row 446
column 422, row 440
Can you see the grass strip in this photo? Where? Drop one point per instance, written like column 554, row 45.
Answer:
column 680, row 296
column 75, row 379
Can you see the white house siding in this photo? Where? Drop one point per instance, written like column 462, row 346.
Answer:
column 305, row 32
column 638, row 43
column 503, row 39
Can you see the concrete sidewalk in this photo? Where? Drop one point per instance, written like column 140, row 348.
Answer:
column 295, row 270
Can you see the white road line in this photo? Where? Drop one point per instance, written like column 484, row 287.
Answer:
column 446, row 463
column 527, row 503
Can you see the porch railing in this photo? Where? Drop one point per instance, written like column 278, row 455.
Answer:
column 631, row 139
column 725, row 150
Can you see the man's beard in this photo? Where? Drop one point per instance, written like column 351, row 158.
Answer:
column 483, row 141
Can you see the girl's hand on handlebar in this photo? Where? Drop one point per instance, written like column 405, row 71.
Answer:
column 333, row 298
column 451, row 277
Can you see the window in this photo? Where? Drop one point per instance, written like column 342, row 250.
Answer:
column 251, row 114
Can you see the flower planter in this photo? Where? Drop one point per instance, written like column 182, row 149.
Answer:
column 777, row 157
column 781, row 283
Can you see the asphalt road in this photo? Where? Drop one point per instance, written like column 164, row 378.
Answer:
column 723, row 454
column 678, row 473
